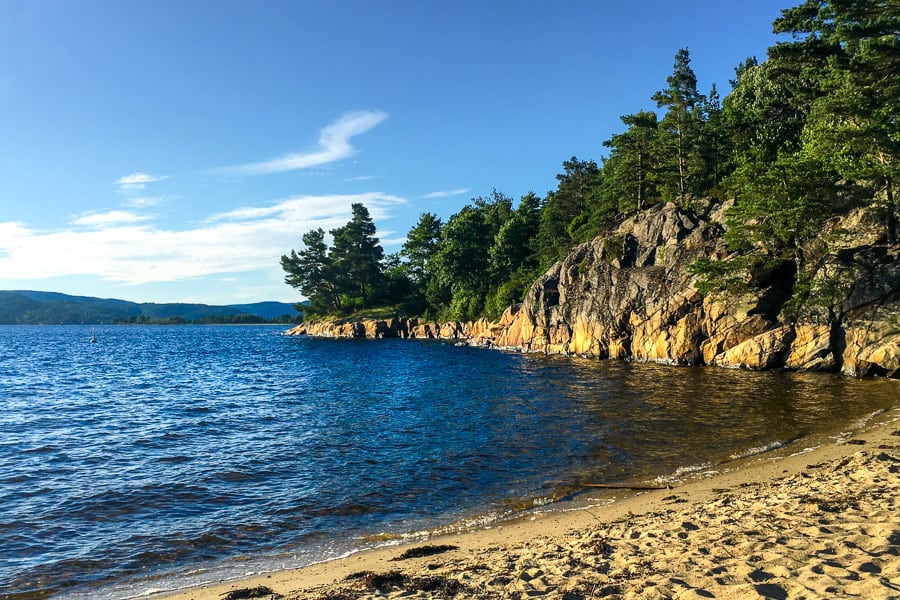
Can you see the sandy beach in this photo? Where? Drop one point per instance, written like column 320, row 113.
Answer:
column 819, row 522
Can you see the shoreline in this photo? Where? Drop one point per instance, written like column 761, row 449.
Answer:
column 822, row 520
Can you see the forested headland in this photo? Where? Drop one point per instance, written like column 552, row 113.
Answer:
column 805, row 135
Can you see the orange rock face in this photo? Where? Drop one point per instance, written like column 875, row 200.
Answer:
column 631, row 295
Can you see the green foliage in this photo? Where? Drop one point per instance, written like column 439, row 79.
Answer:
column 678, row 136
column 613, row 247
column 780, row 204
column 630, row 172
column 350, row 275
column 739, row 274
column 421, row 245
column 356, row 258
column 851, row 49
column 312, row 271
column 572, row 213
column 762, row 114
column 793, row 143
column 465, row 262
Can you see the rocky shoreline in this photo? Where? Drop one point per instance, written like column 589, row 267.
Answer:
column 631, row 295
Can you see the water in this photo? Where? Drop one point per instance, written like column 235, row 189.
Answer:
column 161, row 456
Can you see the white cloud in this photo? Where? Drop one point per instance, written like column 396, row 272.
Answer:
column 312, row 208
column 334, row 145
column 137, row 181
column 362, row 178
column 119, row 249
column 145, row 201
column 392, row 241
column 446, row 193
column 112, row 217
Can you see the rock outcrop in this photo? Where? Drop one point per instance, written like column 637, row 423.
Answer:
column 631, row 295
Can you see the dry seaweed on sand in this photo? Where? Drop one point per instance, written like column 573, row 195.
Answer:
column 249, row 593
column 421, row 551
column 393, row 580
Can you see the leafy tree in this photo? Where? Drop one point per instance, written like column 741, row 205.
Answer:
column 567, row 214
column 763, row 114
column 781, row 205
column 397, row 286
column 852, row 49
column 513, row 263
column 512, row 246
column 462, row 273
column 421, row 245
column 497, row 209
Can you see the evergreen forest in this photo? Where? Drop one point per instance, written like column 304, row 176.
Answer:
column 806, row 134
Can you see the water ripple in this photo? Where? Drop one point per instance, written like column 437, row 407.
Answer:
column 164, row 449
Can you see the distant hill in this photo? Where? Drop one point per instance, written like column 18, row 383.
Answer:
column 23, row 307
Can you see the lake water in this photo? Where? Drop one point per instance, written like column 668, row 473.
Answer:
column 163, row 456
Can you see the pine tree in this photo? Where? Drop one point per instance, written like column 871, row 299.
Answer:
column 312, row 272
column 629, row 172
column 679, row 127
column 357, row 256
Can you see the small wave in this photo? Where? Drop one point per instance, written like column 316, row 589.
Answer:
column 40, row 450
column 805, row 451
column 175, row 460
column 761, row 449
column 681, row 472
column 235, row 476
column 347, row 509
column 865, row 419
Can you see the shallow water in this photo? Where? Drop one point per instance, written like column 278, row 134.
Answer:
column 164, row 455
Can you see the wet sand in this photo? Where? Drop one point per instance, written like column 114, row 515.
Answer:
column 823, row 523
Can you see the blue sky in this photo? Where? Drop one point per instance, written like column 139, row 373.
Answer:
column 172, row 151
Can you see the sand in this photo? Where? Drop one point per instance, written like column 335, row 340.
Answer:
column 820, row 523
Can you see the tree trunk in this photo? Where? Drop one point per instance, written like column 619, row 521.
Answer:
column 891, row 211
column 640, row 196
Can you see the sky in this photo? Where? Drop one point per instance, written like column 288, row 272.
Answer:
column 173, row 151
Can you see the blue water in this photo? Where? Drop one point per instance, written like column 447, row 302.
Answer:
column 160, row 456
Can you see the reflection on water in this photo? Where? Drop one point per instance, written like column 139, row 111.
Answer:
column 158, row 450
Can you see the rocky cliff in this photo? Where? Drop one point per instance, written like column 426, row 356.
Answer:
column 631, row 295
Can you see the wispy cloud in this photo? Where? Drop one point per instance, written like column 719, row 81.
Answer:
column 362, row 178
column 334, row 145
column 112, row 217
column 119, row 246
column 392, row 241
column 446, row 193
column 312, row 208
column 145, row 201
column 137, row 181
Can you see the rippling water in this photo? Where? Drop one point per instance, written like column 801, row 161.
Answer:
column 165, row 455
